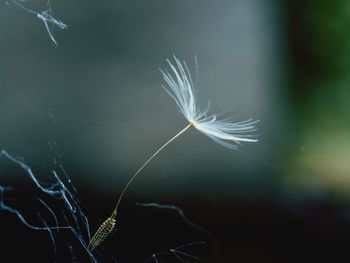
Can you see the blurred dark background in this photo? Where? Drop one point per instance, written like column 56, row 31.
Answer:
column 95, row 105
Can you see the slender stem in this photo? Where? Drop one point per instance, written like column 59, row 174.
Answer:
column 114, row 214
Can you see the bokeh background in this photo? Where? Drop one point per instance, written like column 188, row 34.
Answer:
column 95, row 105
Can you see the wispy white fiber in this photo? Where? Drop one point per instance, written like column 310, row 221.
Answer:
column 181, row 88
column 46, row 17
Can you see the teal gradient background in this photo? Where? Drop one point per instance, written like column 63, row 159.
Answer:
column 95, row 105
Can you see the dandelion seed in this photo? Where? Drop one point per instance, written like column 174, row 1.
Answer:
column 181, row 89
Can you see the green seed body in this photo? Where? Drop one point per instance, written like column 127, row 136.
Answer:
column 102, row 232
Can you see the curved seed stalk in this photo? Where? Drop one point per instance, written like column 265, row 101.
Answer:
column 108, row 225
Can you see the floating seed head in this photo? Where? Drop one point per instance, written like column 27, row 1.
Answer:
column 181, row 88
